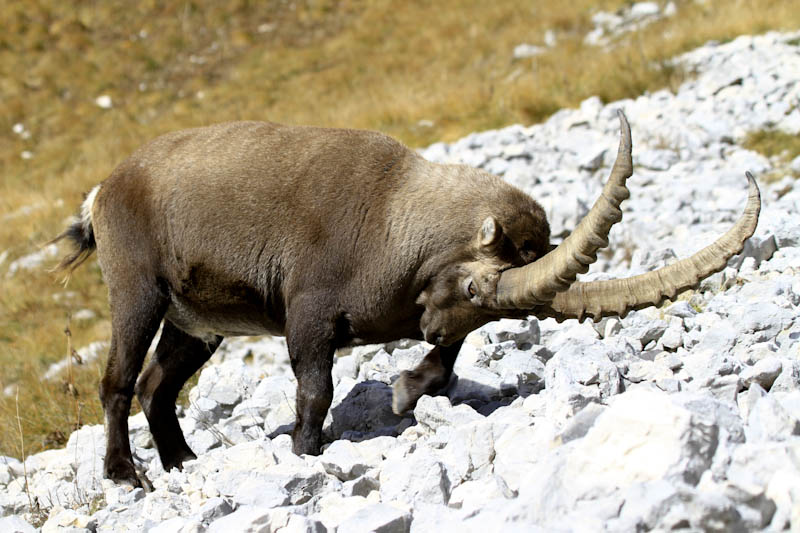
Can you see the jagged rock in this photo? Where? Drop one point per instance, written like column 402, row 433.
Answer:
column 769, row 421
column 764, row 372
column 378, row 518
column 642, row 436
column 472, row 495
column 475, row 383
column 519, row 447
column 433, row 412
column 260, row 519
column 581, row 423
column 15, row 524
column 419, row 476
column 363, row 407
column 577, row 374
column 346, row 461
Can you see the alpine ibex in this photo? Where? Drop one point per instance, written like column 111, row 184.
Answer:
column 331, row 237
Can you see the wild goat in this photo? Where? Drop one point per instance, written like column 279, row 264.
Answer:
column 331, row 237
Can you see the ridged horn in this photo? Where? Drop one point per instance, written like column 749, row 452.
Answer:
column 617, row 297
column 539, row 282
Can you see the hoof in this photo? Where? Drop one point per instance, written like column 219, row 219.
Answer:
column 177, row 459
column 404, row 394
column 125, row 473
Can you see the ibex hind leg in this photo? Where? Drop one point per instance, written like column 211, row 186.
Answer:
column 137, row 307
column 178, row 356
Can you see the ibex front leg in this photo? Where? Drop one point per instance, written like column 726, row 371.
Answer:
column 429, row 377
column 310, row 336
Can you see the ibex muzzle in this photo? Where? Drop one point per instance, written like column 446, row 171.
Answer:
column 332, row 238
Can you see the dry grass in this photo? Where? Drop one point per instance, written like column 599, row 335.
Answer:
column 378, row 64
column 775, row 144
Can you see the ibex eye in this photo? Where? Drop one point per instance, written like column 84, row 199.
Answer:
column 471, row 289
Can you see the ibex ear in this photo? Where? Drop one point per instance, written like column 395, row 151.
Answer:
column 490, row 232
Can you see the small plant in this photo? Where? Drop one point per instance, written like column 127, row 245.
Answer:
column 69, row 385
column 36, row 511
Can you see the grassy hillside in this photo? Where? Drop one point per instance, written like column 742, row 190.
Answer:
column 419, row 70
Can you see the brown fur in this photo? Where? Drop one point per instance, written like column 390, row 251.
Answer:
column 331, row 237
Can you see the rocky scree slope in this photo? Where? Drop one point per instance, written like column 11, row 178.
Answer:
column 685, row 417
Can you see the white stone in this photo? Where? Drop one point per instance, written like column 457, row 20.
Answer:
column 15, row 524
column 764, row 372
column 642, row 436
column 378, row 518
column 33, row 261
column 418, row 477
column 104, row 101
column 521, row 51
column 472, row 495
column 344, row 460
column 577, row 374
column 769, row 421
column 432, row 412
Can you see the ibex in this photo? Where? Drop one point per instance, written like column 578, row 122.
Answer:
column 331, row 237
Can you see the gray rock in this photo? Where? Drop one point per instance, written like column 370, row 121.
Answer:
column 301, row 483
column 469, row 451
column 472, row 495
column 643, row 436
column 581, row 423
column 795, row 165
column 226, row 384
column 475, row 383
column 344, row 460
column 789, row 378
column 524, row 333
column 681, row 309
column 378, row 518
column 577, row 374
column 639, row 371
column 15, row 524
column 258, row 492
column 651, row 505
column 602, row 447
column 672, row 338
column 656, row 159
column 525, row 50
column 361, row 486
column 419, row 476
column 176, row 525
column 764, row 372
column 364, row 407
column 714, row 512
column 433, row 412
column 769, row 421
column 519, row 447
column 520, row 372
column 254, row 519
column 214, row 508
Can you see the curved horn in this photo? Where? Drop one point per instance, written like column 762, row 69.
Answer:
column 538, row 283
column 618, row 296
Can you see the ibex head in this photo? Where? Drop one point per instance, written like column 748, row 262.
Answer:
column 506, row 271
